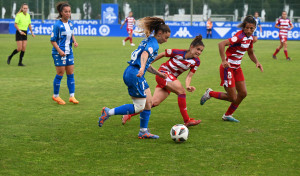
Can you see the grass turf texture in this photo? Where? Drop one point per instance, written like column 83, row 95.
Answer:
column 40, row 137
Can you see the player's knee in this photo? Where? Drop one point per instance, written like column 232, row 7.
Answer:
column 139, row 105
column 180, row 91
column 242, row 94
column 232, row 98
column 155, row 103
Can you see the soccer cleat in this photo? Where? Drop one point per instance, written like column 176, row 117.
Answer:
column 132, row 44
column 104, row 116
column 288, row 59
column 73, row 100
column 123, row 41
column 8, row 60
column 192, row 122
column 20, row 64
column 206, row 96
column 59, row 100
column 126, row 118
column 229, row 118
column 274, row 57
column 147, row 135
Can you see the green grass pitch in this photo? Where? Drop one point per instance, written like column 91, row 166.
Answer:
column 40, row 137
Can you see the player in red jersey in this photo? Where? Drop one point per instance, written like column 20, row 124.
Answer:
column 130, row 22
column 231, row 73
column 284, row 25
column 179, row 62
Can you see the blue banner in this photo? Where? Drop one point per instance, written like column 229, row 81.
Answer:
column 221, row 30
column 110, row 13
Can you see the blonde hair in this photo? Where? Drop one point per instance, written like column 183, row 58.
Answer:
column 21, row 9
column 150, row 24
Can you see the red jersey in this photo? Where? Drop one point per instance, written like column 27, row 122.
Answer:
column 177, row 64
column 130, row 22
column 239, row 45
column 285, row 23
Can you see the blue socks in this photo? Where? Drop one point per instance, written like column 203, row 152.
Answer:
column 144, row 118
column 71, row 83
column 124, row 109
column 56, row 84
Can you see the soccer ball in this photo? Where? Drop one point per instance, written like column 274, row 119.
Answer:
column 179, row 133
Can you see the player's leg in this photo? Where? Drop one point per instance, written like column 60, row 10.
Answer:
column 144, row 132
column 60, row 70
column 19, row 48
column 207, row 33
column 24, row 45
column 210, row 33
column 277, row 49
column 177, row 88
column 285, row 50
column 232, row 97
column 71, row 83
column 130, row 35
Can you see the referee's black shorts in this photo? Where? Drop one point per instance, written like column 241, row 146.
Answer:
column 20, row 37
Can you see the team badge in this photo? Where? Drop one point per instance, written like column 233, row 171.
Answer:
column 169, row 51
column 150, row 49
column 234, row 39
column 52, row 34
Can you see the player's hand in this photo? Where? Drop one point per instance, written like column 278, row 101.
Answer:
column 61, row 53
column 191, row 88
column 75, row 44
column 258, row 65
column 22, row 33
column 141, row 72
column 33, row 35
column 225, row 64
column 163, row 75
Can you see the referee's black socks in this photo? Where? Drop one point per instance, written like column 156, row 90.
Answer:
column 13, row 53
column 21, row 58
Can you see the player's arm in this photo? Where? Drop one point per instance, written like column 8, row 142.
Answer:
column 74, row 41
column 159, row 56
column 18, row 29
column 144, row 58
column 188, row 82
column 277, row 26
column 123, row 24
column 30, row 28
column 55, row 45
column 156, row 72
column 222, row 45
column 292, row 26
column 254, row 59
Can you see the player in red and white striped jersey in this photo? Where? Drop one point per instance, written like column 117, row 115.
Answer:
column 284, row 25
column 130, row 23
column 179, row 62
column 231, row 73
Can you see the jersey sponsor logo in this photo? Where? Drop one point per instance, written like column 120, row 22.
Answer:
column 109, row 16
column 104, row 30
column 222, row 31
column 182, row 32
column 169, row 51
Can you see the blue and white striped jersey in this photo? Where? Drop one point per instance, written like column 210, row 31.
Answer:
column 62, row 35
column 257, row 22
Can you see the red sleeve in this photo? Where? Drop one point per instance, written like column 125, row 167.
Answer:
column 195, row 67
column 126, row 20
column 169, row 52
column 234, row 39
column 290, row 23
column 278, row 22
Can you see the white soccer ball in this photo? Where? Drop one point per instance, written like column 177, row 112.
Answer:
column 179, row 133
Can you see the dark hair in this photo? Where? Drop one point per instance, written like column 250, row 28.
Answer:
column 247, row 19
column 150, row 24
column 197, row 41
column 60, row 6
column 21, row 8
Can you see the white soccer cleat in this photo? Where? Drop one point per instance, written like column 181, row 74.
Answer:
column 123, row 41
column 132, row 44
column 206, row 96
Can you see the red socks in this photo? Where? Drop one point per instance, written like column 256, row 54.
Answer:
column 286, row 53
column 214, row 94
column 128, row 38
column 277, row 50
column 182, row 107
column 231, row 109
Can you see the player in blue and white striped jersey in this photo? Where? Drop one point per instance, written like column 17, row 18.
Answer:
column 62, row 38
column 255, row 34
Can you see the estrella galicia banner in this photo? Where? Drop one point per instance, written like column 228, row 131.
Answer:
column 221, row 30
column 110, row 13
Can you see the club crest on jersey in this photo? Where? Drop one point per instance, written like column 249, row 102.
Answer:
column 52, row 34
column 234, row 39
column 169, row 51
column 150, row 49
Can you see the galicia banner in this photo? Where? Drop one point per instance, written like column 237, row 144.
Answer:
column 221, row 30
column 110, row 13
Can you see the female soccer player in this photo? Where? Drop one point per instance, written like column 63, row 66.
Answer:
column 209, row 26
column 255, row 34
column 179, row 62
column 284, row 25
column 130, row 22
column 22, row 22
column 231, row 73
column 62, row 38
column 134, row 79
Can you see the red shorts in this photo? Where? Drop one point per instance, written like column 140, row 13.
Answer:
column 282, row 38
column 130, row 31
column 161, row 82
column 230, row 75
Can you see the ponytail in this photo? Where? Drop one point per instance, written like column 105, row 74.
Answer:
column 197, row 41
column 150, row 24
column 21, row 9
column 60, row 6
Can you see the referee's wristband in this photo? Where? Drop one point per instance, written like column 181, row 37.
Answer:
column 20, row 31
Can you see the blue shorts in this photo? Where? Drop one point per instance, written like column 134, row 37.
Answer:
column 63, row 61
column 136, row 85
